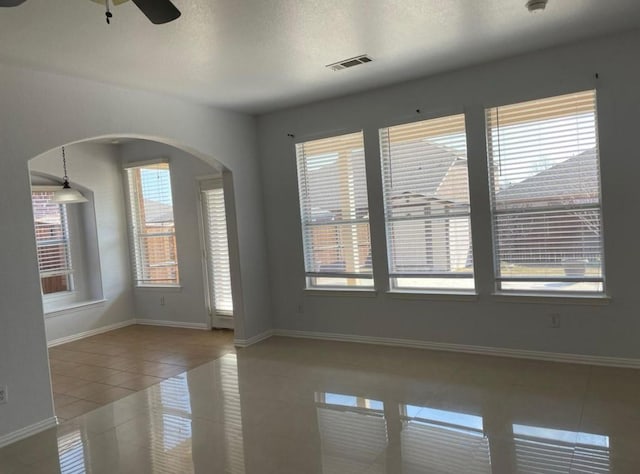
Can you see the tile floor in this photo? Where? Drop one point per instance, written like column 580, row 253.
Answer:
column 98, row 370
column 306, row 407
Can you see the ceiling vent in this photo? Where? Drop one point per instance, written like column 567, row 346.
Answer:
column 536, row 5
column 346, row 63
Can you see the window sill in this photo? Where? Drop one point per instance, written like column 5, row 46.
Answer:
column 72, row 308
column 165, row 288
column 60, row 297
column 433, row 296
column 598, row 299
column 364, row 293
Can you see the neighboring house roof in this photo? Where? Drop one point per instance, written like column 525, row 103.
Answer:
column 573, row 179
column 157, row 212
column 455, row 184
column 440, row 180
column 324, row 177
column 409, row 174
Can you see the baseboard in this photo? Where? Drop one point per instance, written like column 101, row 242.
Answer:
column 129, row 322
column 172, row 324
column 28, row 431
column 469, row 349
column 254, row 339
column 91, row 332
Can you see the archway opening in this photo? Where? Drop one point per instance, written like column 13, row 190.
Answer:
column 97, row 166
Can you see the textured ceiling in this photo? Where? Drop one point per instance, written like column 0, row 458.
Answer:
column 260, row 55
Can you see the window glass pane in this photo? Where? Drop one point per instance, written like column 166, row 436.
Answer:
column 545, row 194
column 426, row 192
column 550, row 285
column 160, row 258
column 433, row 283
column 52, row 241
column 152, row 225
column 335, row 211
column 336, row 282
column 55, row 284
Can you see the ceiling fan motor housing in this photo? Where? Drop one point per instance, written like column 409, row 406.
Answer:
column 157, row 11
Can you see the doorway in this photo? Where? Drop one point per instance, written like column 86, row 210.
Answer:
column 216, row 253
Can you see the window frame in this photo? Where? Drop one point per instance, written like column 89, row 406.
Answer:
column 568, row 295
column 393, row 286
column 312, row 276
column 136, row 247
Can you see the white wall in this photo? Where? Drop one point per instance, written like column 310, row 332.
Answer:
column 610, row 330
column 96, row 167
column 42, row 111
column 186, row 304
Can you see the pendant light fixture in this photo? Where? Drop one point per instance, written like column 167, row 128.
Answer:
column 67, row 195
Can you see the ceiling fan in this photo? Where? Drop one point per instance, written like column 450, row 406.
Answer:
column 157, row 11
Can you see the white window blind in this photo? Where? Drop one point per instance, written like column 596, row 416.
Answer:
column 217, row 250
column 545, row 194
column 152, row 226
column 427, row 211
column 52, row 241
column 335, row 212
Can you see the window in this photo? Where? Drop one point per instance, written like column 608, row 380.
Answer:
column 67, row 248
column 153, row 234
column 217, row 248
column 335, row 212
column 52, row 242
column 545, row 194
column 427, row 212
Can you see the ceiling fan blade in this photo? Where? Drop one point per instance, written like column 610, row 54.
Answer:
column 11, row 3
column 158, row 11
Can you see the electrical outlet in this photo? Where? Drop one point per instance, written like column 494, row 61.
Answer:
column 4, row 396
column 162, row 301
column 554, row 320
column 300, row 308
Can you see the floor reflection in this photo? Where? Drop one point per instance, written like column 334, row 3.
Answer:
column 353, row 432
column 546, row 450
column 72, row 448
column 443, row 441
column 288, row 406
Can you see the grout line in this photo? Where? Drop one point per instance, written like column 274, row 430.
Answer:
column 214, row 349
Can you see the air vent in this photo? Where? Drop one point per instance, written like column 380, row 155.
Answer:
column 345, row 63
